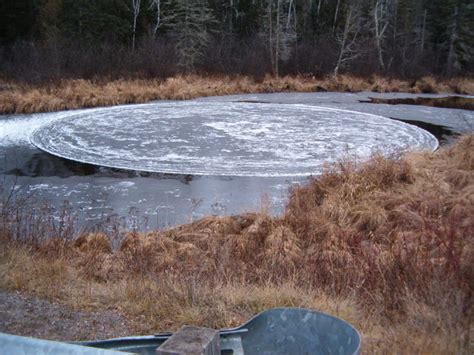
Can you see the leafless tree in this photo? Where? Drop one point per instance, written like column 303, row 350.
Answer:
column 348, row 38
column 319, row 7
column 156, row 5
column 231, row 22
column 290, row 32
column 381, row 23
column 335, row 16
column 452, row 55
column 280, row 28
column 136, row 11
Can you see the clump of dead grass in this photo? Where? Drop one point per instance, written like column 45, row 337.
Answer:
column 463, row 86
column 79, row 93
column 388, row 245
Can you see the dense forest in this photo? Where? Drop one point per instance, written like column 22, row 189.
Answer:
column 43, row 40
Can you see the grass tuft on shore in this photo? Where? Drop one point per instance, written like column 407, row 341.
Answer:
column 387, row 245
column 79, row 93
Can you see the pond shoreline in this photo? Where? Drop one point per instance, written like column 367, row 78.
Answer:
column 78, row 93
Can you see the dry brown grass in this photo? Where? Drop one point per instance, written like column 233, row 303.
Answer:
column 388, row 246
column 74, row 94
column 165, row 303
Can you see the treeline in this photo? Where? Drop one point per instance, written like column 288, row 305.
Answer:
column 44, row 40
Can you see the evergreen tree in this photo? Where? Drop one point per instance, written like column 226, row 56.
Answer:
column 17, row 20
column 189, row 24
column 408, row 37
column 96, row 21
column 451, row 25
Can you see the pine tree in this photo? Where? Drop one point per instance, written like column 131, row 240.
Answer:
column 190, row 27
column 104, row 21
column 17, row 20
column 451, row 25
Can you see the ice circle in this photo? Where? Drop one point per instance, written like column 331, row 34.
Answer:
column 225, row 138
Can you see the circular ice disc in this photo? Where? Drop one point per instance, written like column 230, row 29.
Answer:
column 234, row 139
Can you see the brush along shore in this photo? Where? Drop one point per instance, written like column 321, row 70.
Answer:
column 78, row 93
column 387, row 245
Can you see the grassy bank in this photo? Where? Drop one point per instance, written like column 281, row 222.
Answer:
column 73, row 94
column 388, row 246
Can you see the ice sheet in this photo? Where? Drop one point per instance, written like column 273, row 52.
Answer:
column 225, row 138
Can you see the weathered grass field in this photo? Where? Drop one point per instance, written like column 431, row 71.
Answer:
column 388, row 246
column 73, row 94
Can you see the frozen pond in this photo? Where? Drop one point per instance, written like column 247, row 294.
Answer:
column 225, row 139
column 147, row 200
